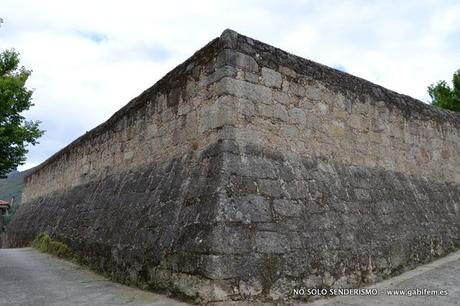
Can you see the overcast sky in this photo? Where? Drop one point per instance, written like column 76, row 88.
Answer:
column 89, row 58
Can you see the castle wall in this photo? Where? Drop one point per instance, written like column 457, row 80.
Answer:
column 248, row 172
column 290, row 105
column 130, row 196
column 179, row 114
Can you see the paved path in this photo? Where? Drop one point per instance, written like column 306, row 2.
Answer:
column 442, row 274
column 28, row 277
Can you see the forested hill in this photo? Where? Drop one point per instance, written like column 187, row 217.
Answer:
column 11, row 188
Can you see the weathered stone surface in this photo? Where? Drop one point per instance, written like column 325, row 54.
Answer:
column 271, row 78
column 237, row 59
column 242, row 89
column 287, row 208
column 247, row 172
column 280, row 112
column 245, row 209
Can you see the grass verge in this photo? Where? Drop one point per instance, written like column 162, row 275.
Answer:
column 44, row 243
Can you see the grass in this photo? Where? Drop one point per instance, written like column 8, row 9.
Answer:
column 46, row 244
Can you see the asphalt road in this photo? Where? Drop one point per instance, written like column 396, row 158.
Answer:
column 28, row 277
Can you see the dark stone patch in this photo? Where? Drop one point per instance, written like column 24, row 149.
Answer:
column 234, row 214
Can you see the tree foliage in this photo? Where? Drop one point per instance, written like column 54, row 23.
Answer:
column 15, row 132
column 444, row 96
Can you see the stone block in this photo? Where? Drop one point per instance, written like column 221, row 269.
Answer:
column 270, row 188
column 287, row 71
column 287, row 208
column 271, row 243
column 221, row 72
column 280, row 112
column 355, row 122
column 271, row 78
column 313, row 92
column 128, row 155
column 320, row 108
column 337, row 129
column 297, row 116
column 224, row 111
column 251, row 77
column 290, row 131
column 281, row 97
column 242, row 89
column 245, row 209
column 250, row 288
column 297, row 89
column 237, row 59
column 247, row 107
column 230, row 239
column 265, row 110
column 221, row 266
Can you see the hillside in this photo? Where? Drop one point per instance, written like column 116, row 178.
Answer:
column 11, row 188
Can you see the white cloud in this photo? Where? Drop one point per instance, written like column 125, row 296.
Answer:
column 91, row 57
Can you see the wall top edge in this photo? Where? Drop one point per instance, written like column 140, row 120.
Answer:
column 274, row 58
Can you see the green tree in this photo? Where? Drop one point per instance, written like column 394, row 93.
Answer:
column 15, row 132
column 442, row 95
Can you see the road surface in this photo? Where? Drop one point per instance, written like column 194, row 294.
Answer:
column 442, row 274
column 28, row 277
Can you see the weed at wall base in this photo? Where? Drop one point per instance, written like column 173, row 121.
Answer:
column 44, row 243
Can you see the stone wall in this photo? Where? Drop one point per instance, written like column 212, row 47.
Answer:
column 179, row 114
column 247, row 172
column 308, row 109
